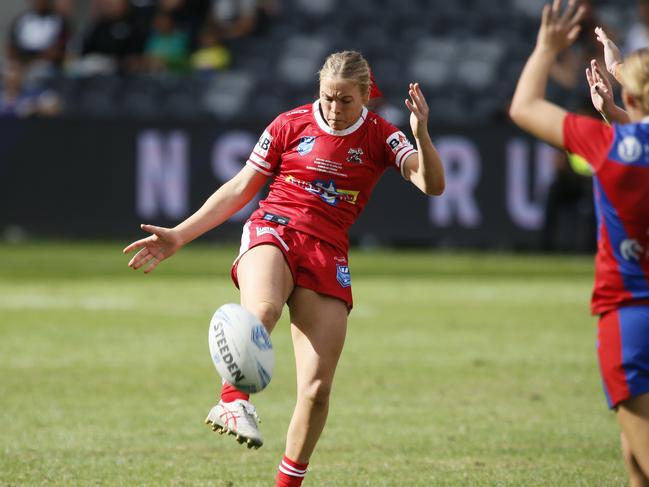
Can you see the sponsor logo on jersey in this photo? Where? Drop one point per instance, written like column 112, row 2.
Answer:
column 306, row 145
column 342, row 275
column 263, row 144
column 397, row 141
column 326, row 190
column 629, row 149
column 298, row 112
column 355, row 156
column 630, row 249
column 279, row 219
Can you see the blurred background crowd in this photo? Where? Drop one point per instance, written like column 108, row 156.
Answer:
column 226, row 58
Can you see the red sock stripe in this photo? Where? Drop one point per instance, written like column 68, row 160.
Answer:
column 230, row 393
column 290, row 473
column 288, row 469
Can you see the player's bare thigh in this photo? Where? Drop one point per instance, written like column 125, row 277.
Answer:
column 319, row 327
column 265, row 282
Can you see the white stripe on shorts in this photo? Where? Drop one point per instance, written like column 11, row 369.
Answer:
column 263, row 230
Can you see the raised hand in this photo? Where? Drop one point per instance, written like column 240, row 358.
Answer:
column 163, row 243
column 612, row 55
column 601, row 91
column 559, row 30
column 418, row 111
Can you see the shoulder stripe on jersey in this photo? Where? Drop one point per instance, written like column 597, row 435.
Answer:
column 405, row 147
column 257, row 168
column 259, row 160
column 403, row 156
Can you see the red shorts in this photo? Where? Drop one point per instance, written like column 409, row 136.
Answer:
column 623, row 350
column 314, row 264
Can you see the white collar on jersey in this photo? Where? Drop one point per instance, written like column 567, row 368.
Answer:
column 645, row 120
column 322, row 123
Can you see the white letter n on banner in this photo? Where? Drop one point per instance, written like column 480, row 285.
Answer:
column 162, row 186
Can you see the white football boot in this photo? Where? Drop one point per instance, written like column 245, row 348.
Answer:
column 238, row 418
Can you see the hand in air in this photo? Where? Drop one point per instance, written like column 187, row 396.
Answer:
column 601, row 91
column 418, row 111
column 612, row 55
column 163, row 243
column 559, row 30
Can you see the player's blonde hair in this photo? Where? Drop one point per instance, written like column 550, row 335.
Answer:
column 349, row 65
column 635, row 76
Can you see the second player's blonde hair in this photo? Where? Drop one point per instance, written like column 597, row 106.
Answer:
column 349, row 65
column 635, row 76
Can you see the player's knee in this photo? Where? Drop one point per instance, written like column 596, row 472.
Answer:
column 267, row 312
column 316, row 393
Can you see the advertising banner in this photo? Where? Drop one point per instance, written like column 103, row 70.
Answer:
column 101, row 178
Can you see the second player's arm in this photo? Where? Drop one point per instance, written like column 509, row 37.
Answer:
column 529, row 108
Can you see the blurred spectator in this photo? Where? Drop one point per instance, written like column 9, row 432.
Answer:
column 189, row 15
column 64, row 7
column 20, row 100
column 567, row 75
column 569, row 218
column 167, row 47
column 210, row 55
column 241, row 18
column 115, row 40
column 638, row 35
column 38, row 36
column 568, row 207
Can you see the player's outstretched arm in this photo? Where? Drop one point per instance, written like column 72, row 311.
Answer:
column 529, row 108
column 225, row 202
column 612, row 55
column 424, row 169
column 601, row 94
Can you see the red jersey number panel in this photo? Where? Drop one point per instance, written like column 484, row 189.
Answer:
column 322, row 178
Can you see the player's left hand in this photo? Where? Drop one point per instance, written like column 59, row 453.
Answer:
column 560, row 29
column 601, row 91
column 418, row 111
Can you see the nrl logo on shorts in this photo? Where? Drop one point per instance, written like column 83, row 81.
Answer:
column 354, row 155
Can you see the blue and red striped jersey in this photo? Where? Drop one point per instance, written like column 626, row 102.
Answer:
column 619, row 157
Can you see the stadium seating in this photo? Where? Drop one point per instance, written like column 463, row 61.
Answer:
column 465, row 53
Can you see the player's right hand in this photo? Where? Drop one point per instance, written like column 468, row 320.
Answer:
column 161, row 244
column 612, row 55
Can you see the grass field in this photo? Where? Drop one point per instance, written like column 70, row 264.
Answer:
column 459, row 370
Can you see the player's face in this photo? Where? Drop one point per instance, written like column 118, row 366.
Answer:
column 341, row 102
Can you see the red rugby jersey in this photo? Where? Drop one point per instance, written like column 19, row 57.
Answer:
column 322, row 178
column 619, row 156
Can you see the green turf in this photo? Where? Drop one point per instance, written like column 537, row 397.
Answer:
column 459, row 370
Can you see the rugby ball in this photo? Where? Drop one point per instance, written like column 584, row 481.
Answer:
column 240, row 348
